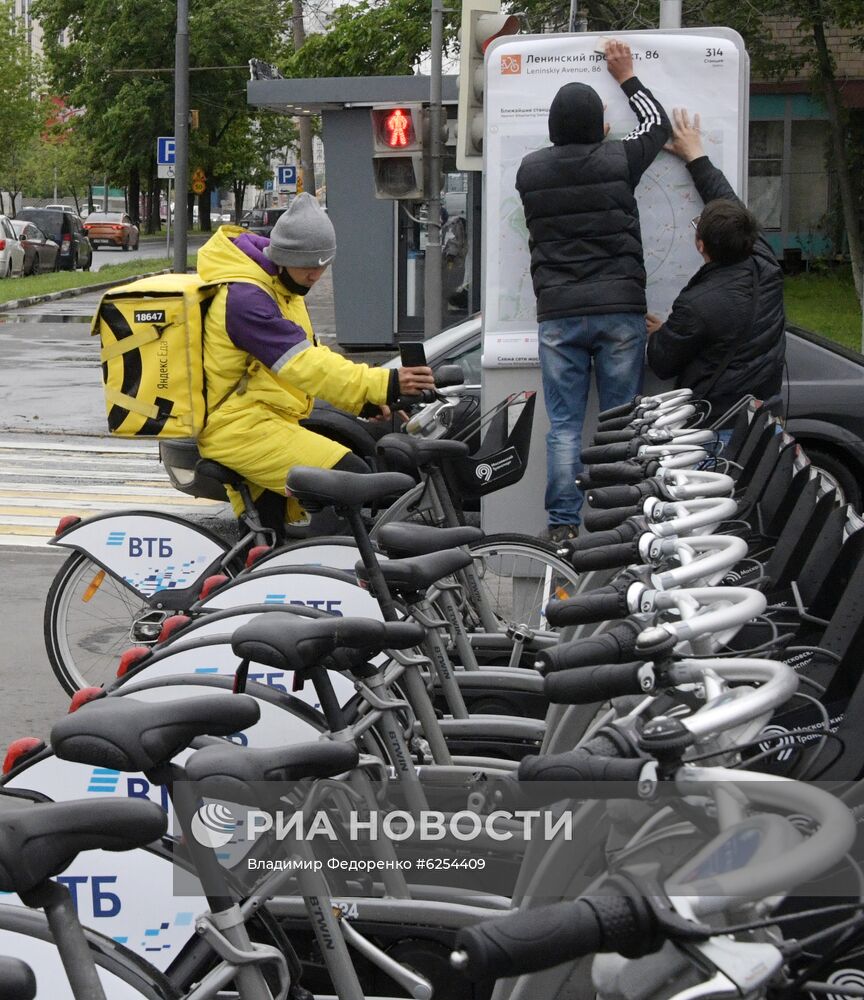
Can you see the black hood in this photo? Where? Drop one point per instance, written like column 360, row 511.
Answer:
column 576, row 115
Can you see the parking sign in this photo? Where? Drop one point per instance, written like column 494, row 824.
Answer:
column 287, row 177
column 165, row 156
column 165, row 150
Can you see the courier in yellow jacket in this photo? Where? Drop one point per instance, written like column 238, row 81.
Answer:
column 262, row 363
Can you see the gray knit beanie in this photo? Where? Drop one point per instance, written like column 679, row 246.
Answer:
column 303, row 236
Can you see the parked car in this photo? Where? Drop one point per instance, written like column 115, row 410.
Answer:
column 11, row 251
column 823, row 397
column 65, row 208
column 114, row 229
column 41, row 253
column 261, row 220
column 67, row 231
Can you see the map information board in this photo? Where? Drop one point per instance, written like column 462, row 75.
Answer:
column 705, row 72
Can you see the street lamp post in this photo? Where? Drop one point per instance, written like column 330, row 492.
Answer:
column 181, row 136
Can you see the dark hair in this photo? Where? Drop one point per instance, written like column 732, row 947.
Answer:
column 728, row 230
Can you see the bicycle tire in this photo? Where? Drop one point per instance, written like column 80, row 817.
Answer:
column 509, row 558
column 87, row 623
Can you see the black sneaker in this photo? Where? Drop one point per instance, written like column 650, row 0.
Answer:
column 558, row 533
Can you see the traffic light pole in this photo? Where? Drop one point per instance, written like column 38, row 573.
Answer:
column 432, row 284
column 181, row 136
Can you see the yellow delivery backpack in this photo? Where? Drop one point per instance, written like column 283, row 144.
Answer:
column 152, row 334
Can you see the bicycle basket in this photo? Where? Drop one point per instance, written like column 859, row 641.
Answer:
column 501, row 459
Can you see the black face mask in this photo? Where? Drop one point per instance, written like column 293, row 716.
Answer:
column 293, row 286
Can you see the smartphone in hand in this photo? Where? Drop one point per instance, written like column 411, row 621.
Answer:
column 412, row 353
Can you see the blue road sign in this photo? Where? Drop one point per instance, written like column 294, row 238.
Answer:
column 165, row 150
column 287, row 176
column 268, row 185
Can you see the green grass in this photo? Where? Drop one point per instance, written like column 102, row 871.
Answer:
column 825, row 302
column 41, row 284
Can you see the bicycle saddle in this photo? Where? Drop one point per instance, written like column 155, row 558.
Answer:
column 419, row 573
column 231, row 772
column 301, row 645
column 39, row 840
column 216, row 470
column 318, row 488
column 17, row 978
column 131, row 735
column 419, row 450
column 403, row 539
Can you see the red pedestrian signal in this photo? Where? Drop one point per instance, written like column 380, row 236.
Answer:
column 397, row 151
column 400, row 131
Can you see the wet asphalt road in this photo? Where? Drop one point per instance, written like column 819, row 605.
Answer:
column 50, row 389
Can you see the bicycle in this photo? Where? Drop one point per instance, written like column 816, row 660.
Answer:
column 102, row 600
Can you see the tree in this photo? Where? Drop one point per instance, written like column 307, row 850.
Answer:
column 371, row 38
column 123, row 78
column 246, row 156
column 21, row 112
column 812, row 57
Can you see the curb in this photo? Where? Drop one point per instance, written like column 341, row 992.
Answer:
column 69, row 293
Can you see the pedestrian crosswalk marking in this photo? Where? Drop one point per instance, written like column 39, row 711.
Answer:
column 42, row 481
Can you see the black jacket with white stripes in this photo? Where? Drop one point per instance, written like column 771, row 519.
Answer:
column 578, row 196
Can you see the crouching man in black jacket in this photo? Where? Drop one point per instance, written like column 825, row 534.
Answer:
column 725, row 336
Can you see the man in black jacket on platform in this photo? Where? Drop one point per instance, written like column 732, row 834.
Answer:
column 725, row 336
column 587, row 266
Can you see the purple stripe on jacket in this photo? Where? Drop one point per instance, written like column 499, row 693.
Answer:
column 252, row 318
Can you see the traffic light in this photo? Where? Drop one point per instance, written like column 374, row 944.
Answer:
column 482, row 23
column 397, row 151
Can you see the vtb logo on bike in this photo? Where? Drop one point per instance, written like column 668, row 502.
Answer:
column 138, row 546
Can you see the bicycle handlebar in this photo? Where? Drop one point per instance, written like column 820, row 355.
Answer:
column 614, row 473
column 795, row 866
column 613, row 452
column 616, row 423
column 590, row 685
column 607, row 557
column 624, row 496
column 620, row 411
column 597, row 520
column 615, row 436
column 599, row 605
column 625, row 532
column 539, row 938
column 617, row 645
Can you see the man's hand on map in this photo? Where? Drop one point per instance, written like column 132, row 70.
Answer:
column 686, row 139
column 653, row 323
column 619, row 60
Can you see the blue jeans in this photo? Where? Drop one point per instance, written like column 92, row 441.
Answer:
column 614, row 344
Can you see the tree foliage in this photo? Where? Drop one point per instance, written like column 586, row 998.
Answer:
column 21, row 110
column 115, row 62
column 371, row 38
column 812, row 59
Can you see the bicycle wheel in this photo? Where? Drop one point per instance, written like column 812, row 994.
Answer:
column 519, row 575
column 90, row 620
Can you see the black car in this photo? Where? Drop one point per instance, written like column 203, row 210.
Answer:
column 41, row 253
column 261, row 220
column 67, row 231
column 823, row 401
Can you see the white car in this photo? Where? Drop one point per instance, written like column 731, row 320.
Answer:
column 11, row 251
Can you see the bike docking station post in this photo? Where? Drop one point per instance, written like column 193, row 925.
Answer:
column 705, row 70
